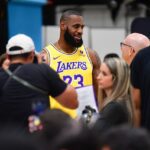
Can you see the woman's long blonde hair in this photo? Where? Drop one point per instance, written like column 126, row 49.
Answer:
column 121, row 84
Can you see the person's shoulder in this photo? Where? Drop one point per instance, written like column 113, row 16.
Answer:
column 113, row 108
column 48, row 46
column 146, row 48
column 94, row 56
column 35, row 65
column 41, row 68
column 46, row 68
column 144, row 51
column 114, row 105
column 1, row 70
column 141, row 57
column 2, row 73
column 29, row 65
column 91, row 51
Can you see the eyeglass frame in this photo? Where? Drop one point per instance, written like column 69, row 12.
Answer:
column 121, row 43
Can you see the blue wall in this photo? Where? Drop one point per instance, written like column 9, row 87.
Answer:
column 26, row 17
column 28, row 1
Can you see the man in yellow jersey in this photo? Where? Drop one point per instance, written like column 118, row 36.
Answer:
column 76, row 64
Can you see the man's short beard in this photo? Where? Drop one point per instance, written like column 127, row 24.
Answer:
column 71, row 40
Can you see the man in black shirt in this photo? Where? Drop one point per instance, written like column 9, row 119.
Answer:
column 140, row 79
column 130, row 46
column 16, row 99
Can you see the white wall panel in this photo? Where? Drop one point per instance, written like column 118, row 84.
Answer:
column 107, row 40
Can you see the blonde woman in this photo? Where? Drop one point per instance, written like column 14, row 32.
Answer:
column 114, row 94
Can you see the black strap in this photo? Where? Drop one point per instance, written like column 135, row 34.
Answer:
column 23, row 82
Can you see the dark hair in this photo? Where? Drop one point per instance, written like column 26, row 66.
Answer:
column 24, row 55
column 81, row 139
column 54, row 123
column 111, row 55
column 125, row 138
column 14, row 48
column 67, row 13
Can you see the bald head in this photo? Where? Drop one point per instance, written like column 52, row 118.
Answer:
column 132, row 44
column 137, row 41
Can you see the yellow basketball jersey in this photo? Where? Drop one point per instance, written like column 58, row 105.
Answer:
column 74, row 68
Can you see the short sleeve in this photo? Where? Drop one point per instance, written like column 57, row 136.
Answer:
column 56, row 85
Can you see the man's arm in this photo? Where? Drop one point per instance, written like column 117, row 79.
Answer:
column 136, row 97
column 63, row 93
column 68, row 98
column 96, row 67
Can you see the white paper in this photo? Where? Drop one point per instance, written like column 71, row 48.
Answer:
column 86, row 98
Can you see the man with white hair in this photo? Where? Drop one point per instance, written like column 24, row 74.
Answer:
column 132, row 44
column 25, row 87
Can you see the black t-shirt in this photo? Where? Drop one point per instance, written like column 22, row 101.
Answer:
column 17, row 100
column 140, row 79
column 4, row 76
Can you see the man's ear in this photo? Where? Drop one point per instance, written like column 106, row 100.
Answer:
column 31, row 56
column 63, row 26
column 132, row 51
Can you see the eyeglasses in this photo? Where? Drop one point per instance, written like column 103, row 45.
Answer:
column 123, row 44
